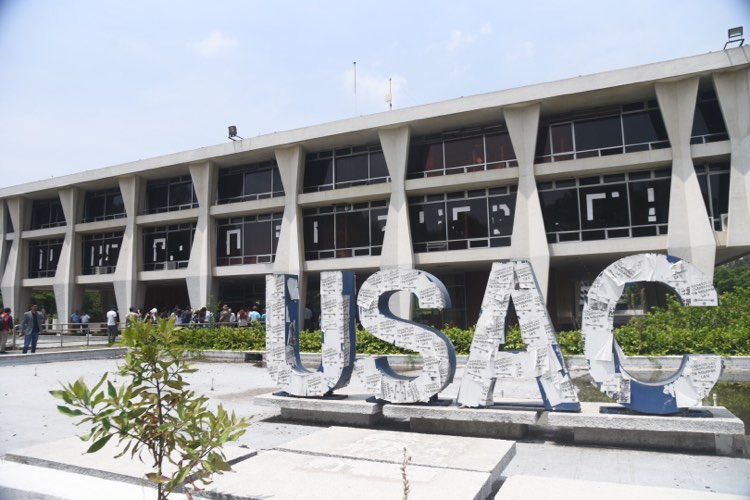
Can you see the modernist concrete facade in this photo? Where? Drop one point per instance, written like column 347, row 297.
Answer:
column 571, row 175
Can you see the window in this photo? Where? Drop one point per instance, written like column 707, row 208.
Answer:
column 250, row 182
column 103, row 205
column 167, row 247
column 603, row 207
column 344, row 230
column 622, row 129
column 47, row 213
column 459, row 152
column 344, row 167
column 464, row 219
column 248, row 240
column 245, row 294
column 714, row 183
column 100, row 253
column 43, row 257
column 708, row 122
column 167, row 195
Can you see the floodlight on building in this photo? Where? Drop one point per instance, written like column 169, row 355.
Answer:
column 233, row 133
column 734, row 35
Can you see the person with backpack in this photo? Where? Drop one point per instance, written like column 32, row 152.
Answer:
column 6, row 328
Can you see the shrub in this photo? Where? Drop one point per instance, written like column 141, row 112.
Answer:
column 676, row 329
column 155, row 413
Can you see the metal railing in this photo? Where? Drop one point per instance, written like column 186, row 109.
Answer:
column 63, row 335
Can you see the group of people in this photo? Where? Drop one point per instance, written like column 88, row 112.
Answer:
column 242, row 318
column 34, row 319
column 202, row 316
column 31, row 326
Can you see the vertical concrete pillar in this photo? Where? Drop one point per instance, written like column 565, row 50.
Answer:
column 4, row 245
column 128, row 291
column 68, row 295
column 733, row 91
column 398, row 250
column 290, row 250
column 200, row 280
column 14, row 294
column 691, row 235
column 529, row 241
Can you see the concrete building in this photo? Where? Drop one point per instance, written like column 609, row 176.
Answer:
column 571, row 175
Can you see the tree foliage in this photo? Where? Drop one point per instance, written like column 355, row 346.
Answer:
column 155, row 414
column 734, row 275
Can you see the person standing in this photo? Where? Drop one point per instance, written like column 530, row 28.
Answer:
column 132, row 317
column 85, row 319
column 6, row 328
column 75, row 321
column 112, row 324
column 30, row 326
column 254, row 314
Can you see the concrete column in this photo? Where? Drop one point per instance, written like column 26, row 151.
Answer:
column 200, row 280
column 290, row 250
column 4, row 245
column 14, row 295
column 128, row 291
column 733, row 91
column 529, row 241
column 691, row 236
column 398, row 250
column 68, row 295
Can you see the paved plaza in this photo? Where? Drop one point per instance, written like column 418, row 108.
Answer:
column 28, row 417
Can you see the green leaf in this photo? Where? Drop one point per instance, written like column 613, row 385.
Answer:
column 99, row 444
column 111, row 390
column 69, row 411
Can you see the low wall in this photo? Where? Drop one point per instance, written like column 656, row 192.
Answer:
column 736, row 368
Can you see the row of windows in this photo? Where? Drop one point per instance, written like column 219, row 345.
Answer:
column 167, row 247
column 345, row 167
column 609, row 206
column 100, row 252
column 166, row 195
column 344, row 230
column 163, row 195
column 624, row 129
column 579, row 209
column 460, row 152
column 463, row 219
column 248, row 240
column 43, row 257
column 249, row 182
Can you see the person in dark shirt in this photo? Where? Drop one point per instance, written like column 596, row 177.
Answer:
column 31, row 325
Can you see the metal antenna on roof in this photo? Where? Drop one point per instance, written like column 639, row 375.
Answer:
column 389, row 95
column 355, row 88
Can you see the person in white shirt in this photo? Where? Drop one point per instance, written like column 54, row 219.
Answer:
column 112, row 324
column 85, row 319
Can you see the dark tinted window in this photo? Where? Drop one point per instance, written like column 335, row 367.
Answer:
column 101, row 205
column 598, row 133
column 602, row 207
column 167, row 247
column 100, row 252
column 249, row 182
column 647, row 126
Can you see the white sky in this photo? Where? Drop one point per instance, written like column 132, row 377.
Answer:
column 86, row 84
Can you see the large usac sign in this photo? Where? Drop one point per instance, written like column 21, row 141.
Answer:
column 508, row 281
